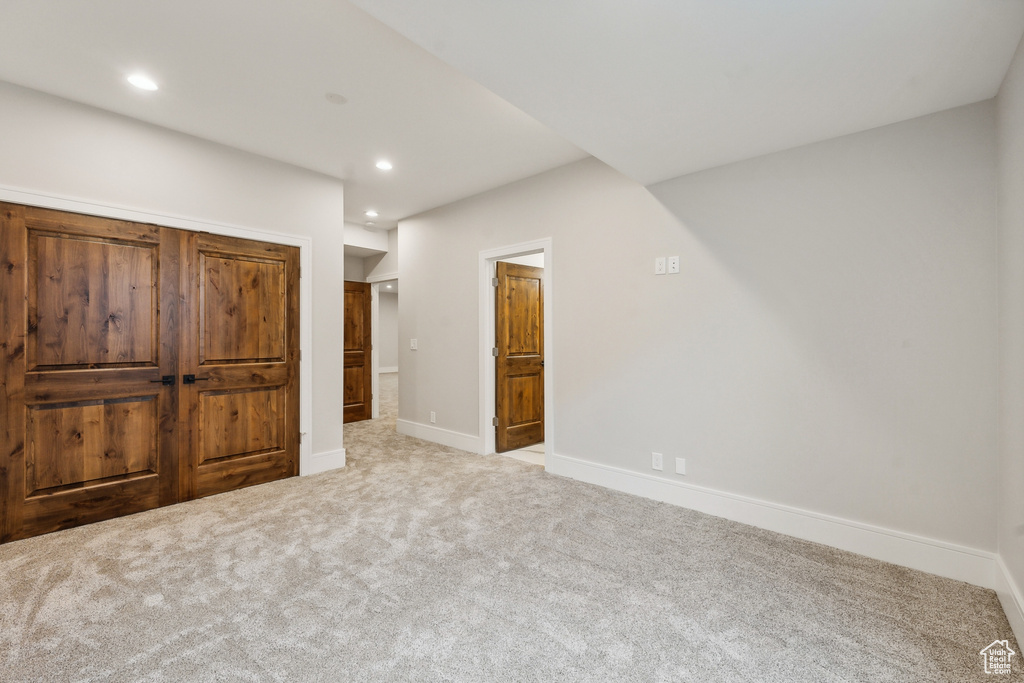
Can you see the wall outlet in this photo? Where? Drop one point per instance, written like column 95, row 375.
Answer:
column 657, row 462
column 433, row 417
column 681, row 466
column 659, row 265
column 412, row 344
column 673, row 264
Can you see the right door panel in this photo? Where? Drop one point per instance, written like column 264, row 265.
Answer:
column 239, row 364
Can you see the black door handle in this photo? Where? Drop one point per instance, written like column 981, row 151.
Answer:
column 166, row 380
column 192, row 379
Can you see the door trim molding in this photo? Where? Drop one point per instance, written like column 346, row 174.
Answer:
column 304, row 243
column 487, row 259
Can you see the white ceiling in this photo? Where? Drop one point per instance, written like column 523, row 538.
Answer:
column 659, row 88
column 655, row 88
column 254, row 74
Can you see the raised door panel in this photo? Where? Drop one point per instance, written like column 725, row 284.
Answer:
column 71, row 445
column 243, row 317
column 91, row 303
column 358, row 389
column 241, row 345
column 519, row 366
column 242, row 423
column 89, row 427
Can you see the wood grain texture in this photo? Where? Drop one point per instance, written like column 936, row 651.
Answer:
column 358, row 386
column 240, row 337
column 93, row 312
column 238, row 423
column 90, row 303
column 242, row 301
column 86, row 411
column 13, row 259
column 82, row 442
column 519, row 366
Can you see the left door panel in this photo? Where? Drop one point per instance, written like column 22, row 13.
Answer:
column 88, row 310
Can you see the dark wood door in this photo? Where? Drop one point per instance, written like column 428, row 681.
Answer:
column 239, row 341
column 103, row 326
column 358, row 378
column 519, row 338
column 87, row 308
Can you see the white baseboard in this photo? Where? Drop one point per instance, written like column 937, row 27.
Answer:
column 390, row 368
column 445, row 437
column 953, row 561
column 322, row 462
column 1011, row 598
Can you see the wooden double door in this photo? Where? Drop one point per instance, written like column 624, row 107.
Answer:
column 140, row 366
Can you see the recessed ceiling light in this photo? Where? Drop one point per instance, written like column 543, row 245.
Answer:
column 388, row 286
column 335, row 98
column 384, row 165
column 372, row 214
column 370, row 224
column 142, row 82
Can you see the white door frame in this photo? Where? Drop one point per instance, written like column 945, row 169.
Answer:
column 488, row 258
column 305, row 245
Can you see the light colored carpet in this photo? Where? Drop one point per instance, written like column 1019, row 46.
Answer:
column 419, row 562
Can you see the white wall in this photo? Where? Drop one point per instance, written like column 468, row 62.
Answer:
column 1011, row 267
column 358, row 236
column 55, row 148
column 532, row 260
column 830, row 344
column 388, row 333
column 385, row 266
column 354, row 269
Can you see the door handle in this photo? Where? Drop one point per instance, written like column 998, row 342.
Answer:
column 166, row 380
column 192, row 379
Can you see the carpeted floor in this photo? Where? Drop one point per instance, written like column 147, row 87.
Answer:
column 419, row 562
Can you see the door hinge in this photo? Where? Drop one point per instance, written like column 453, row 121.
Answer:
column 494, row 351
column 494, row 421
column 300, row 272
column 494, row 282
column 300, row 354
column 301, row 434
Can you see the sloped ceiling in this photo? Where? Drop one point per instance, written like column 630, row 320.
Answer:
column 660, row 88
column 466, row 95
column 254, row 74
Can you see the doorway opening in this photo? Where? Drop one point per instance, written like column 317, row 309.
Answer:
column 385, row 347
column 516, row 359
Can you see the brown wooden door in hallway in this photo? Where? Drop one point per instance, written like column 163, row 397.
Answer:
column 519, row 366
column 358, row 400
column 100, row 321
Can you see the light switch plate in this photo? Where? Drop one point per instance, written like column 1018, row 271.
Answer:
column 673, row 264
column 659, row 265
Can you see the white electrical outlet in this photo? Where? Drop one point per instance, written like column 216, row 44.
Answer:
column 412, row 344
column 657, row 463
column 673, row 264
column 659, row 265
column 681, row 466
column 433, row 417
